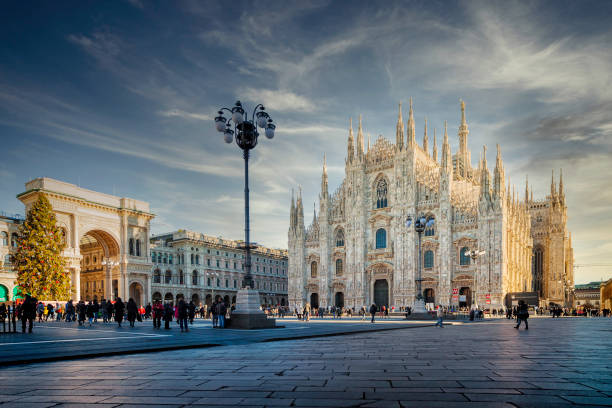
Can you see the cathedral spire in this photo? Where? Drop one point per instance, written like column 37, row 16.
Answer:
column 292, row 215
column 498, row 182
column 526, row 189
column 324, row 190
column 399, row 131
column 553, row 188
column 435, row 148
column 368, row 142
column 463, row 132
column 351, row 142
column 410, row 127
column 561, row 193
column 360, row 139
column 314, row 217
column 426, row 140
column 447, row 162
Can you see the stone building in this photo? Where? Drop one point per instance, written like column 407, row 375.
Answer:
column 199, row 267
column 110, row 252
column 358, row 250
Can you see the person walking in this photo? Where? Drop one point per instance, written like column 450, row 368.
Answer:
column 27, row 313
column 132, row 311
column 90, row 312
column 168, row 313
column 40, row 310
column 373, row 310
column 104, row 311
column 191, row 312
column 158, row 312
column 522, row 314
column 222, row 311
column 96, row 310
column 183, row 313
column 81, row 311
column 440, row 314
column 119, row 309
column 109, row 309
column 215, row 314
column 49, row 312
column 148, row 311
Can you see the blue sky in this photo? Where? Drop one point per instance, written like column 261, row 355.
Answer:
column 118, row 97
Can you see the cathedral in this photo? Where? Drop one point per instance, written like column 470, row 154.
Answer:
column 485, row 246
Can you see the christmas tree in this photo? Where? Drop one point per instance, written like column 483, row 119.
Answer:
column 40, row 265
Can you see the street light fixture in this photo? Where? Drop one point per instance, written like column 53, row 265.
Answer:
column 421, row 223
column 245, row 130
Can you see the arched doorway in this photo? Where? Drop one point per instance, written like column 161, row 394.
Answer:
column 233, row 299
column 169, row 297
column 208, row 300
column 226, row 299
column 381, row 292
column 465, row 297
column 137, row 293
column 429, row 296
column 314, row 300
column 4, row 294
column 339, row 299
column 99, row 251
column 157, row 296
column 195, row 299
column 282, row 301
column 179, row 296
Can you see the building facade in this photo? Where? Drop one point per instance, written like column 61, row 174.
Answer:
column 199, row 267
column 358, row 249
column 110, row 252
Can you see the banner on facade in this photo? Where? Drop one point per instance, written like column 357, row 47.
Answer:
column 455, row 291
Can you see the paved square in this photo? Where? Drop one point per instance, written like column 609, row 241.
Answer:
column 557, row 363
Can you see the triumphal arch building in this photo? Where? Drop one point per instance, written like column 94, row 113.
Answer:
column 106, row 237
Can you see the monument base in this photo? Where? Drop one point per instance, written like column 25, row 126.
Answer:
column 419, row 307
column 248, row 314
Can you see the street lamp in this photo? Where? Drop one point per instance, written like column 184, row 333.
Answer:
column 474, row 254
column 245, row 130
column 421, row 223
column 108, row 286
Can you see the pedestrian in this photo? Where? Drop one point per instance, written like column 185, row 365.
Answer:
column 90, row 312
column 132, row 311
column 222, row 311
column 158, row 312
column 168, row 313
column 27, row 313
column 81, row 311
column 104, row 311
column 119, row 309
column 522, row 314
column 109, row 309
column 440, row 314
column 215, row 315
column 191, row 312
column 148, row 311
column 96, row 310
column 373, row 310
column 40, row 310
column 183, row 314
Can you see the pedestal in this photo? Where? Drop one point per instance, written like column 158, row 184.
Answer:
column 419, row 306
column 247, row 314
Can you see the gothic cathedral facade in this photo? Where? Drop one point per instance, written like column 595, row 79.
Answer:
column 358, row 249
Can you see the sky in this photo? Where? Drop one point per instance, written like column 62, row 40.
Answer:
column 119, row 97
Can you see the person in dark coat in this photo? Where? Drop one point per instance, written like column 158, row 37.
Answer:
column 148, row 311
column 109, row 309
column 522, row 314
column 90, row 312
column 132, row 311
column 168, row 313
column 183, row 313
column 81, row 311
column 373, row 310
column 158, row 313
column 119, row 309
column 192, row 312
column 96, row 310
column 27, row 313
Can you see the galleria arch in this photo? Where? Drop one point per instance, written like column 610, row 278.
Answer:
column 106, row 237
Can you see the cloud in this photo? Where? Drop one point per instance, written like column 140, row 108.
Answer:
column 185, row 115
column 278, row 100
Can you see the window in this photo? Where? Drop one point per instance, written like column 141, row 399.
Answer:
column 381, row 193
column 208, row 262
column 138, row 247
column 226, row 265
column 165, row 258
column 218, row 280
column 227, row 283
column 464, row 258
column 217, row 263
column 131, row 246
column 208, row 282
column 170, row 259
column 234, row 265
column 181, row 278
column 197, row 259
column 338, row 267
column 157, row 276
column 194, row 278
column 429, row 259
column 153, row 258
column 183, row 259
column 7, row 260
column 192, row 259
column 313, row 269
column 340, row 238
column 381, row 238
column 4, row 238
column 235, row 283
column 168, row 277
column 430, row 232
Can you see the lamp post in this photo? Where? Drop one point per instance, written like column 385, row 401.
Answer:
column 247, row 315
column 474, row 254
column 212, row 287
column 421, row 223
column 108, row 285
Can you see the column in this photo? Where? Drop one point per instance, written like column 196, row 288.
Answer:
column 123, row 289
column 108, row 282
column 77, row 283
column 148, row 289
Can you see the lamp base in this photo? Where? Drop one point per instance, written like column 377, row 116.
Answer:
column 248, row 314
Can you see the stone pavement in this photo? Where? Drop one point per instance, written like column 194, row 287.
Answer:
column 53, row 340
column 557, row 363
